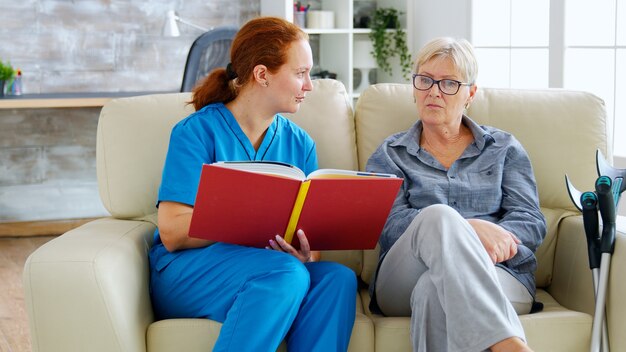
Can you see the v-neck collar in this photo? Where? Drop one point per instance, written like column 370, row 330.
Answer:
column 244, row 141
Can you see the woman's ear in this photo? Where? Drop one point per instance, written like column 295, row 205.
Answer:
column 260, row 74
column 472, row 93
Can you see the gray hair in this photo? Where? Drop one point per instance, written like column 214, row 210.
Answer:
column 460, row 51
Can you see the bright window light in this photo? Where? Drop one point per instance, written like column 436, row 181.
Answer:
column 589, row 24
column 530, row 23
column 514, row 49
column 529, row 68
column 620, row 104
column 493, row 67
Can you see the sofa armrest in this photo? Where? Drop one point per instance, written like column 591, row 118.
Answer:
column 87, row 290
column 572, row 284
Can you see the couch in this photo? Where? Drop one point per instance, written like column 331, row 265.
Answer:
column 87, row 290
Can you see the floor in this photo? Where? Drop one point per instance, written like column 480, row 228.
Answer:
column 14, row 331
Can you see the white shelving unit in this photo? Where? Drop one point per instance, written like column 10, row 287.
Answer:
column 336, row 46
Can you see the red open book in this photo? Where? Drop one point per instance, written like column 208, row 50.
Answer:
column 248, row 203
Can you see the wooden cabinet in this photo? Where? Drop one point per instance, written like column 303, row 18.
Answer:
column 336, row 45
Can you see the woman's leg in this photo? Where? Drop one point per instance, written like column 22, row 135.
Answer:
column 515, row 292
column 327, row 314
column 255, row 293
column 442, row 258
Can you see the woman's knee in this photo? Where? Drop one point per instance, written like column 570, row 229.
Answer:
column 340, row 275
column 290, row 274
column 437, row 218
column 333, row 281
column 440, row 212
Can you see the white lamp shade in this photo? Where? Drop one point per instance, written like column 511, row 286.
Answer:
column 170, row 27
column 362, row 54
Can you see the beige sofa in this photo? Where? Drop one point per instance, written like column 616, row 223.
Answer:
column 87, row 290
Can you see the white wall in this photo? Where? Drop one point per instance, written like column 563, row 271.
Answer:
column 433, row 19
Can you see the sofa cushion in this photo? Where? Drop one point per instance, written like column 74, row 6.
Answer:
column 192, row 335
column 556, row 328
column 553, row 329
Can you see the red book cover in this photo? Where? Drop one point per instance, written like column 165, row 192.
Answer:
column 342, row 210
column 345, row 213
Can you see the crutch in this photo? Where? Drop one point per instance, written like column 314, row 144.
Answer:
column 606, row 204
column 587, row 203
column 609, row 188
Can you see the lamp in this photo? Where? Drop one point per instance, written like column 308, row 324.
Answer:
column 364, row 61
column 170, row 28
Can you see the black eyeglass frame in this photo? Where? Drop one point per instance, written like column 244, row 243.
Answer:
column 435, row 81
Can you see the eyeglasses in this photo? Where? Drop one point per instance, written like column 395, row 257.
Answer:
column 446, row 86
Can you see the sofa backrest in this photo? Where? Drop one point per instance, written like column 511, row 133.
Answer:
column 132, row 140
column 560, row 129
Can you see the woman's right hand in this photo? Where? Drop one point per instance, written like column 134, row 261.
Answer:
column 305, row 254
column 173, row 221
column 499, row 243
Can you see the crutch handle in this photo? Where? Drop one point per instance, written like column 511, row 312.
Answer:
column 589, row 203
column 606, row 205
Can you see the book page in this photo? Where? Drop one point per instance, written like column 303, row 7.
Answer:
column 265, row 167
column 339, row 173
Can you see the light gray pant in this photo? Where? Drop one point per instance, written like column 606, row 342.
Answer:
column 439, row 273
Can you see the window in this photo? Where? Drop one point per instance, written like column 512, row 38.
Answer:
column 557, row 43
column 515, row 55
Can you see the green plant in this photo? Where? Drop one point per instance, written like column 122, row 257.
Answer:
column 389, row 40
column 6, row 71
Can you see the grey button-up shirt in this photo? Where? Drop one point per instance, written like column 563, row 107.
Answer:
column 492, row 180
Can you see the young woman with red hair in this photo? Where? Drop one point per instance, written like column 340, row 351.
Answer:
column 261, row 295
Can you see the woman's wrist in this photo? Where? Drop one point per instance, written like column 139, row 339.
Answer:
column 314, row 257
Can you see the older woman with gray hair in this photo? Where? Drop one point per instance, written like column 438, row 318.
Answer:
column 457, row 251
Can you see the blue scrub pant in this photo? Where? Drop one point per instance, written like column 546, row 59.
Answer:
column 261, row 296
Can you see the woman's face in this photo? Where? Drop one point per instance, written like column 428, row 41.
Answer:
column 288, row 86
column 435, row 107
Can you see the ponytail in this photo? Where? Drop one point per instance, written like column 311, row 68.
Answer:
column 214, row 88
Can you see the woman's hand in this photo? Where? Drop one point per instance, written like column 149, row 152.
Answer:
column 500, row 244
column 304, row 254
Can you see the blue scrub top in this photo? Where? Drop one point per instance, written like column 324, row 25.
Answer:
column 212, row 134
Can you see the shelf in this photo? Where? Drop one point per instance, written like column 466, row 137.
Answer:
column 327, row 31
column 63, row 100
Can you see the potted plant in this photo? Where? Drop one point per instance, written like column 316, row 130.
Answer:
column 389, row 40
column 6, row 75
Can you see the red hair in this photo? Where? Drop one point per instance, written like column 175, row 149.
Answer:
column 261, row 41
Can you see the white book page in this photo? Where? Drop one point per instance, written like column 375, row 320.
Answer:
column 265, row 167
column 337, row 173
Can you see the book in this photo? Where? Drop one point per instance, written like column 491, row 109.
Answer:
column 248, row 203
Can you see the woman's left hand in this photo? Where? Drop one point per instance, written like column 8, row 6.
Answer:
column 304, row 254
column 499, row 243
